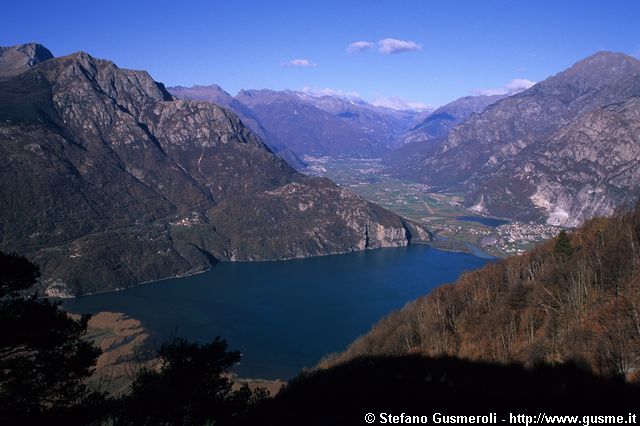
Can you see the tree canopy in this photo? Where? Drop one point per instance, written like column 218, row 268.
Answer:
column 190, row 386
column 563, row 244
column 45, row 361
column 43, row 358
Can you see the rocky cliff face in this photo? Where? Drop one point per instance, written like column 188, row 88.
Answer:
column 107, row 181
column 502, row 158
column 588, row 168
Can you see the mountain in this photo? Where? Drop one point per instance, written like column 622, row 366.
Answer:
column 575, row 299
column 440, row 122
column 215, row 94
column 16, row 59
column 588, row 168
column 298, row 123
column 106, row 180
column 307, row 129
column 493, row 155
column 381, row 123
column 326, row 125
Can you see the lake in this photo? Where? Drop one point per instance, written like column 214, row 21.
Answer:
column 285, row 315
column 488, row 221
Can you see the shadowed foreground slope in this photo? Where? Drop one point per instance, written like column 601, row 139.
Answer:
column 420, row 386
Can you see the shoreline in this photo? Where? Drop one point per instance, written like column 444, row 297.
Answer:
column 423, row 252
column 201, row 271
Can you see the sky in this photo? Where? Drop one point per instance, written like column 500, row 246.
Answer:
column 394, row 53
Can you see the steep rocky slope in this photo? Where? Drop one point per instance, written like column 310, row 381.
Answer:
column 107, row 181
column 588, row 168
column 215, row 94
column 481, row 155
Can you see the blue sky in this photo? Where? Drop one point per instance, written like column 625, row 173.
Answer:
column 459, row 47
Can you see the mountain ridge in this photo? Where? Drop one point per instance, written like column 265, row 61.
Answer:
column 17, row 59
column 302, row 123
column 109, row 181
column 473, row 158
column 217, row 95
column 308, row 129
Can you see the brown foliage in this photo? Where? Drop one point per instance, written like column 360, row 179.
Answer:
column 579, row 304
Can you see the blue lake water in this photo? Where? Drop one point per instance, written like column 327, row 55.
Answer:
column 285, row 315
column 488, row 221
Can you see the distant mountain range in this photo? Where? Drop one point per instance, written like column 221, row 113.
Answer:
column 298, row 123
column 106, row 180
column 531, row 156
column 562, row 151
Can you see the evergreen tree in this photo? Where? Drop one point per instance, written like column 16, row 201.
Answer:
column 190, row 387
column 43, row 358
column 563, row 244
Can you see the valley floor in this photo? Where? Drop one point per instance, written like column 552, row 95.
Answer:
column 443, row 213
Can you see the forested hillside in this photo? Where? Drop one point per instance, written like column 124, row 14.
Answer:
column 575, row 298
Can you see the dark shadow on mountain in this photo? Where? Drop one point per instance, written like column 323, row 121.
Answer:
column 419, row 386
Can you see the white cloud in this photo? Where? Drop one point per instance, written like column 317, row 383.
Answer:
column 514, row 86
column 360, row 46
column 303, row 63
column 397, row 103
column 389, row 46
column 317, row 92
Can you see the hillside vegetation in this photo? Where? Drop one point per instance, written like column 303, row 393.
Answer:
column 575, row 298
